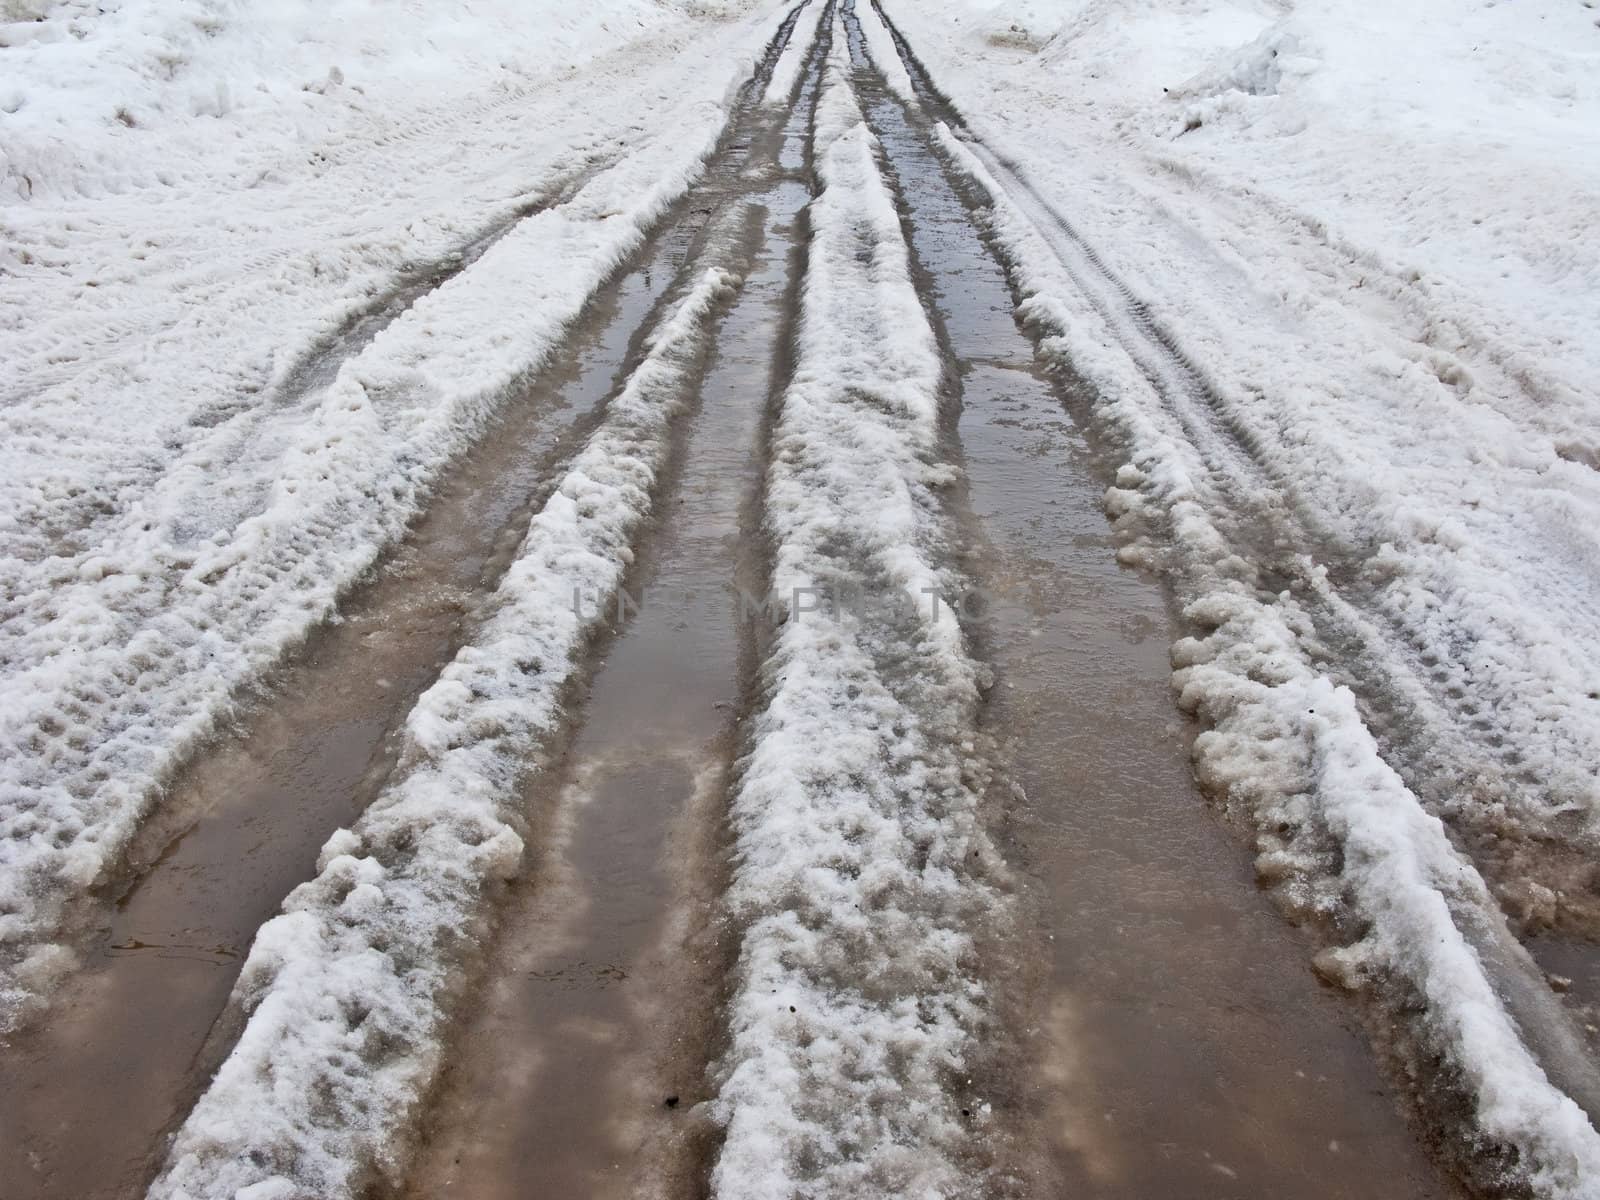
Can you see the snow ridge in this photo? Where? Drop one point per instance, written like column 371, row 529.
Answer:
column 350, row 989
column 1337, row 827
column 116, row 671
column 786, row 74
column 862, row 876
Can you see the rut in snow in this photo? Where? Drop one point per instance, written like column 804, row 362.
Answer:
column 1480, row 1031
column 1161, row 989
column 663, row 900
column 482, row 731
column 580, row 1070
column 348, row 992
column 139, row 1033
column 592, row 987
column 1514, row 788
column 862, row 877
column 125, row 662
column 241, row 826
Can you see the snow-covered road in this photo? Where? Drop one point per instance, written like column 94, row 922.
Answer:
column 364, row 377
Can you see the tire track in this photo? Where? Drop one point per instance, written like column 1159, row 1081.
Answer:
column 863, row 882
column 1431, row 732
column 163, row 940
column 582, row 1069
column 349, row 992
column 249, row 436
column 139, row 1032
column 115, row 700
column 867, row 1039
column 443, row 834
column 1162, row 1001
column 1441, row 1061
column 254, row 426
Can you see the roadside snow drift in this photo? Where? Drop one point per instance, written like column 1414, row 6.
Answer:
column 1397, row 349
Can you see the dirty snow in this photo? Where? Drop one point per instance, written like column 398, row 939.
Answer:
column 860, row 873
column 1403, row 347
column 1331, row 269
column 1288, row 747
column 881, row 50
column 179, row 502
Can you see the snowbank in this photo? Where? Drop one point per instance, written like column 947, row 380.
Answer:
column 861, row 874
column 108, row 98
column 349, row 991
column 1427, row 139
column 138, row 602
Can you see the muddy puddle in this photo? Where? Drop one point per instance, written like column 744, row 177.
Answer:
column 579, row 1072
column 1178, row 1044
column 1175, row 1041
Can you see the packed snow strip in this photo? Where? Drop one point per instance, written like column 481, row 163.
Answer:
column 859, row 877
column 1289, row 747
column 1338, row 828
column 808, row 18
column 120, row 666
column 349, row 990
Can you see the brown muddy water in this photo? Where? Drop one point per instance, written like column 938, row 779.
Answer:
column 1172, row 1041
column 86, row 1098
column 1178, row 1043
